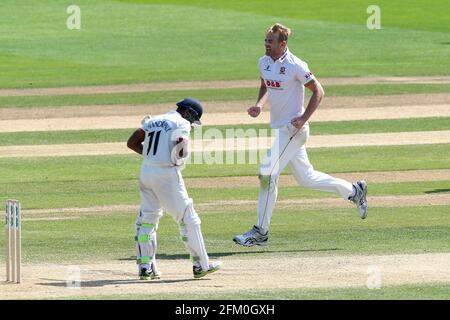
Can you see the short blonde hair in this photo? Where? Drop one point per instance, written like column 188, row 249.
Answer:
column 283, row 32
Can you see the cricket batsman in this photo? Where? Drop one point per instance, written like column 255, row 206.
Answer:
column 163, row 143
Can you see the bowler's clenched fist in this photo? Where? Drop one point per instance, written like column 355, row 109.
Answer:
column 298, row 122
column 254, row 111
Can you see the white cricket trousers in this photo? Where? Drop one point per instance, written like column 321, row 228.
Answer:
column 289, row 149
column 162, row 188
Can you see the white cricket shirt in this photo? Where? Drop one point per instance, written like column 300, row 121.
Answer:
column 285, row 79
column 161, row 135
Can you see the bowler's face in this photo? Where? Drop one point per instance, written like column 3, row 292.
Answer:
column 273, row 48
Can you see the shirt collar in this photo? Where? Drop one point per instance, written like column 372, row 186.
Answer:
column 280, row 59
column 284, row 55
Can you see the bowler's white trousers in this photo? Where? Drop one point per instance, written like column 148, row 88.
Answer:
column 289, row 149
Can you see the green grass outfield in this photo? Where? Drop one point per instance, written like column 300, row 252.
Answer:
column 141, row 41
column 417, row 15
column 149, row 41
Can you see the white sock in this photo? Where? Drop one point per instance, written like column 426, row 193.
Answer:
column 263, row 231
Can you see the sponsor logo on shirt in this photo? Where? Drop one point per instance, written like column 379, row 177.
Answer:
column 267, row 68
column 273, row 84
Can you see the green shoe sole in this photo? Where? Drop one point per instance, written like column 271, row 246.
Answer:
column 204, row 273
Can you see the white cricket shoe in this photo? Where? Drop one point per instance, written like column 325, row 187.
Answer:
column 360, row 198
column 252, row 237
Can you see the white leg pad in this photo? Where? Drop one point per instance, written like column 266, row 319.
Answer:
column 192, row 237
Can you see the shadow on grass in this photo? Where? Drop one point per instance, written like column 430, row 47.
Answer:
column 109, row 282
column 437, row 191
column 250, row 251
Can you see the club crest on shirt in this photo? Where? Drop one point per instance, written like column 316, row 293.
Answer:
column 283, row 70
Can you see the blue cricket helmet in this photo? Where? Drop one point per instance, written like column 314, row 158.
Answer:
column 194, row 107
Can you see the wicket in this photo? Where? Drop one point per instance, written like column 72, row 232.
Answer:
column 13, row 243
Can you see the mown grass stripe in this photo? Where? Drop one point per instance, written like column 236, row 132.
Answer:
column 106, row 168
column 118, row 193
column 317, row 128
column 218, row 150
column 196, row 85
column 208, row 95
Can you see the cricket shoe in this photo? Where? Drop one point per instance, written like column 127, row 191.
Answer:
column 360, row 198
column 252, row 237
column 200, row 273
column 149, row 274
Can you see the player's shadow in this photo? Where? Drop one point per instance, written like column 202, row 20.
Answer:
column 163, row 256
column 437, row 191
column 109, row 282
